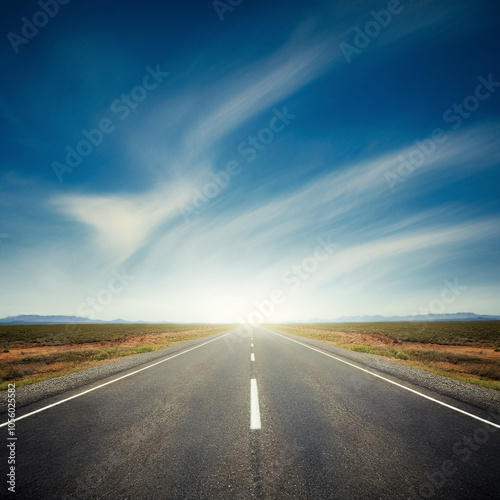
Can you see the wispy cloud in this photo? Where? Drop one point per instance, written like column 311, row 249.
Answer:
column 248, row 250
column 326, row 175
column 260, row 87
column 122, row 224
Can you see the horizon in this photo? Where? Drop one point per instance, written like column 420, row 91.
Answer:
column 352, row 319
column 253, row 164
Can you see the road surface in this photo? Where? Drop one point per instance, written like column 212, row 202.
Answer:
column 253, row 415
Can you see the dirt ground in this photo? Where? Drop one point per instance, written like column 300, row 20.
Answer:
column 129, row 341
column 376, row 339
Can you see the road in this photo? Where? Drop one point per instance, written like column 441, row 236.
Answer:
column 253, row 415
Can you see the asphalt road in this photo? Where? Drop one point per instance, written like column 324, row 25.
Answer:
column 309, row 426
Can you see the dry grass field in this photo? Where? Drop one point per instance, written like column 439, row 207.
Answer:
column 31, row 353
column 465, row 350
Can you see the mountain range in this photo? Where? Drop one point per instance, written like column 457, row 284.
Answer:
column 27, row 319
column 460, row 316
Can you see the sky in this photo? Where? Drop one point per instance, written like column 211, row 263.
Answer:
column 249, row 161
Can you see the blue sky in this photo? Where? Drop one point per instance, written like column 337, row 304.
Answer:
column 185, row 161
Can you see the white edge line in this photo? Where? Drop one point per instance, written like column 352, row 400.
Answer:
column 113, row 381
column 254, row 406
column 391, row 381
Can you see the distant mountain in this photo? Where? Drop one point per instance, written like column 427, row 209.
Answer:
column 27, row 319
column 461, row 316
column 33, row 319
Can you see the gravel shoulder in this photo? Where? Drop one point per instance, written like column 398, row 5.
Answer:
column 52, row 387
column 479, row 397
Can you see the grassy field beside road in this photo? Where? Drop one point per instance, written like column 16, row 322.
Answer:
column 32, row 353
column 465, row 350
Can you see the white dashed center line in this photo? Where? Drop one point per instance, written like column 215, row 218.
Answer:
column 252, row 357
column 254, row 405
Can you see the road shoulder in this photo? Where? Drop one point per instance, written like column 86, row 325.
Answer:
column 52, row 387
column 479, row 397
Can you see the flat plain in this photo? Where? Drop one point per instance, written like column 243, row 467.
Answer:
column 32, row 353
column 464, row 350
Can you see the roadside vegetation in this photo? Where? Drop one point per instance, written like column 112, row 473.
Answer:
column 464, row 350
column 32, row 353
